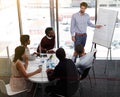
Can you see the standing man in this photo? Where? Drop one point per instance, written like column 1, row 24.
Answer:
column 79, row 23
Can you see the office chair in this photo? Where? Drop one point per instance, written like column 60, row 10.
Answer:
column 83, row 76
column 5, row 89
column 85, row 73
column 93, row 69
column 95, row 50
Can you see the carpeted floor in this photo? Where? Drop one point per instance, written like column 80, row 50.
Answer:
column 105, row 84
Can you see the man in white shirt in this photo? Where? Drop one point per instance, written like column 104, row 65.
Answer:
column 82, row 60
column 79, row 23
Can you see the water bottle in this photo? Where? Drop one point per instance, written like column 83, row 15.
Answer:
column 42, row 60
column 48, row 64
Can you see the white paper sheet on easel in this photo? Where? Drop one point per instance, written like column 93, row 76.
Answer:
column 104, row 35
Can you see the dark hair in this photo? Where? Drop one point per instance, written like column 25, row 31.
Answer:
column 24, row 39
column 79, row 49
column 47, row 30
column 84, row 4
column 19, row 51
column 60, row 54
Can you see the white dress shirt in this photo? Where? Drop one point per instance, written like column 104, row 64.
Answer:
column 79, row 23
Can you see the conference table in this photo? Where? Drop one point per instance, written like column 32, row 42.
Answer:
column 44, row 62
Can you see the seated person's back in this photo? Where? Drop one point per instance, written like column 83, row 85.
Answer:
column 83, row 60
column 48, row 42
column 66, row 73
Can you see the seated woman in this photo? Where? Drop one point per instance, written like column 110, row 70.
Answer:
column 25, row 40
column 19, row 77
column 48, row 42
column 82, row 60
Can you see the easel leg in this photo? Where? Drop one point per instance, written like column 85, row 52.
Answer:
column 109, row 51
column 93, row 46
column 93, row 70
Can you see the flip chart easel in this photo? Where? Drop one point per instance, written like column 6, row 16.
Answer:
column 103, row 36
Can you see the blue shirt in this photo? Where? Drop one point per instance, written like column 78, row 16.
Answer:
column 79, row 23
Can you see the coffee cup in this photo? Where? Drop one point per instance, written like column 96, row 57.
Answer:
column 40, row 66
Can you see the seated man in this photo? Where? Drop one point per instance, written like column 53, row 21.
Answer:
column 48, row 42
column 83, row 60
column 66, row 74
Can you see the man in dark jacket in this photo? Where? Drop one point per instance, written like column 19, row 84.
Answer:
column 65, row 73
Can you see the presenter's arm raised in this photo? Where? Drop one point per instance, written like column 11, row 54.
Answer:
column 98, row 26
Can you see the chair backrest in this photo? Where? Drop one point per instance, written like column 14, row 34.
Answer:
column 85, row 73
column 6, row 89
column 3, row 87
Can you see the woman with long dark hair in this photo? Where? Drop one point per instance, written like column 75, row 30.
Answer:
column 19, row 77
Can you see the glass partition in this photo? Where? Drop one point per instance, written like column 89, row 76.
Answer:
column 66, row 9
column 9, row 28
column 35, row 16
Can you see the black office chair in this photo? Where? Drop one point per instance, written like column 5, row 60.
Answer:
column 83, row 76
column 85, row 73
